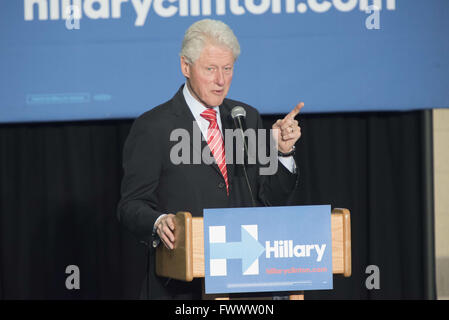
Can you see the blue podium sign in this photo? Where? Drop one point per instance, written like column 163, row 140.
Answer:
column 268, row 249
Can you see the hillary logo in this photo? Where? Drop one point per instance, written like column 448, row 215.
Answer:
column 248, row 249
column 287, row 249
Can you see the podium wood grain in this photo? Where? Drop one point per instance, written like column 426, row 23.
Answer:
column 177, row 263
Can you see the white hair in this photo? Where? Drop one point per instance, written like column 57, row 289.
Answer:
column 204, row 32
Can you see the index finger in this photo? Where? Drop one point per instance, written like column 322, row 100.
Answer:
column 170, row 221
column 295, row 111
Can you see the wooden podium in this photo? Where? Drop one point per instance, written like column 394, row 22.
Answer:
column 186, row 260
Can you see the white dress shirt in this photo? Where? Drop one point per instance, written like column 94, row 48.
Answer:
column 197, row 108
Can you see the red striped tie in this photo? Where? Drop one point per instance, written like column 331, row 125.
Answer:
column 215, row 142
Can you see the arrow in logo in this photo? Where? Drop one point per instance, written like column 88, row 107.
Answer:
column 249, row 249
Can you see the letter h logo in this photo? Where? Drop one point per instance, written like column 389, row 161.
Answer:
column 248, row 250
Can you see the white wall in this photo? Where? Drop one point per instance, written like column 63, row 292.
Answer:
column 441, row 184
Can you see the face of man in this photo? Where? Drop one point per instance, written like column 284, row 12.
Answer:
column 210, row 76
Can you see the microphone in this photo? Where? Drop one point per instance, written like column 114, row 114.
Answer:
column 238, row 113
column 239, row 116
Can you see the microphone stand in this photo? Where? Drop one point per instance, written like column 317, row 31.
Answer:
column 239, row 125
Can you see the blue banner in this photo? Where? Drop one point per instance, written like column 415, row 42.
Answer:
column 105, row 59
column 268, row 249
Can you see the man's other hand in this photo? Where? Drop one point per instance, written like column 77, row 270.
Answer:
column 165, row 228
column 287, row 130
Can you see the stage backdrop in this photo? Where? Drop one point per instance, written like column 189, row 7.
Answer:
column 96, row 59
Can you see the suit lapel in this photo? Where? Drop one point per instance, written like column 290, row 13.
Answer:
column 186, row 120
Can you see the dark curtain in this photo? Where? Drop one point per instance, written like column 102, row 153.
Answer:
column 60, row 183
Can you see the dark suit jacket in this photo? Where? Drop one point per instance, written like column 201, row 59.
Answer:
column 153, row 185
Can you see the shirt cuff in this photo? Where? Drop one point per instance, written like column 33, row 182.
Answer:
column 289, row 163
column 156, row 239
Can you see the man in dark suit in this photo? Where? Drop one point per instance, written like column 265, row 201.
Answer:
column 155, row 187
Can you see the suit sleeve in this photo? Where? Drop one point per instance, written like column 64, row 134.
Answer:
column 142, row 164
column 276, row 189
